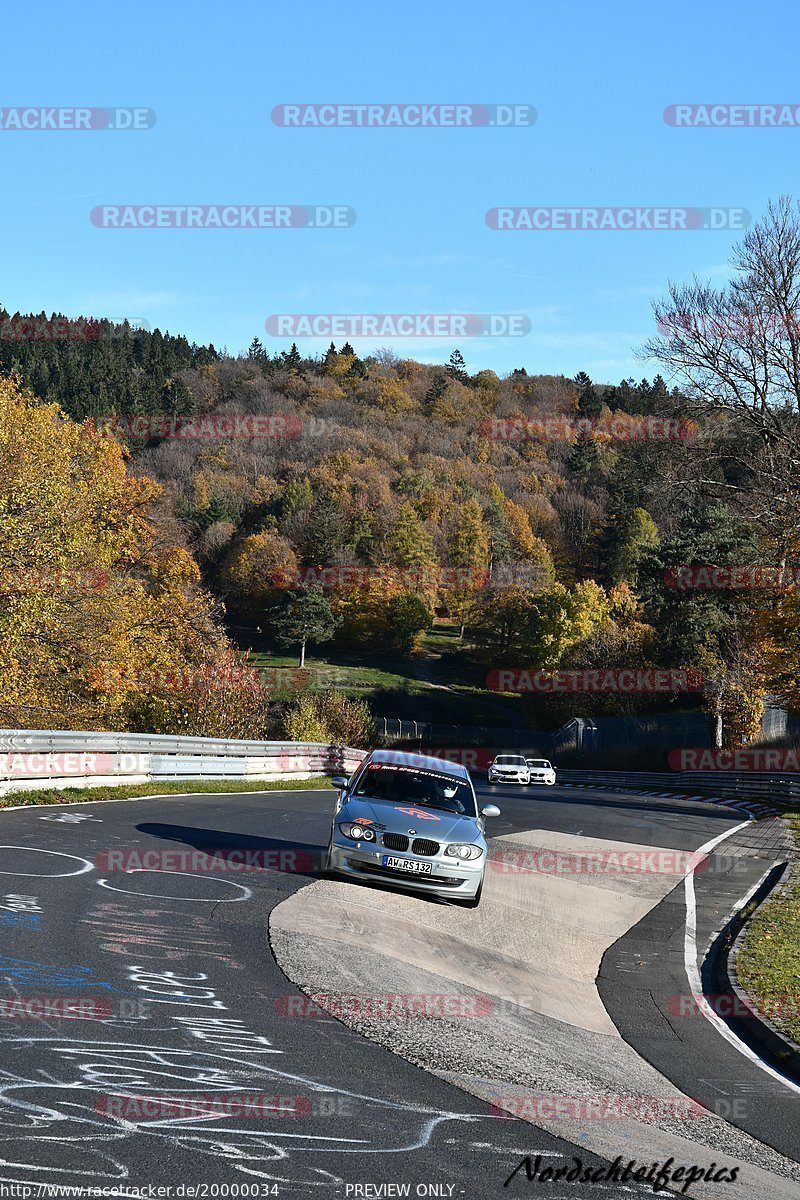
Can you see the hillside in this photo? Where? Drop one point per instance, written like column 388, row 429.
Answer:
column 533, row 520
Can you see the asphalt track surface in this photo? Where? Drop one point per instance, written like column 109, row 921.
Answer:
column 149, row 1037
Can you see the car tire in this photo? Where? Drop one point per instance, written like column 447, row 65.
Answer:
column 475, row 900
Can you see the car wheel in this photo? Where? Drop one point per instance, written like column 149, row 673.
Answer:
column 475, row 900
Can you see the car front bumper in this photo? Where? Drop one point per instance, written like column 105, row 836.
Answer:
column 447, row 878
column 549, row 778
column 508, row 777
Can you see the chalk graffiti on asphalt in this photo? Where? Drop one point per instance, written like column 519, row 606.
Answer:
column 72, row 818
column 145, row 932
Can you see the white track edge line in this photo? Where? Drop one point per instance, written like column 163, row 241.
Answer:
column 693, row 972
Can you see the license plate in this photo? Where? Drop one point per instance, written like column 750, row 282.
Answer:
column 407, row 864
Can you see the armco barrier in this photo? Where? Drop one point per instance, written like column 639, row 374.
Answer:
column 763, row 785
column 33, row 758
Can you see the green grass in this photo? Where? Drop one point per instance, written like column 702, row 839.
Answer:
column 768, row 963
column 128, row 791
column 335, row 672
column 407, row 688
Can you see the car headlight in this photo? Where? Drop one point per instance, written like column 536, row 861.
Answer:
column 359, row 833
column 460, row 850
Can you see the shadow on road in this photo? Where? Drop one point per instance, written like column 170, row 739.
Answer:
column 242, row 851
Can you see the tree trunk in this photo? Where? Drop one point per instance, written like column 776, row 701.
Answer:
column 717, row 718
column 303, row 653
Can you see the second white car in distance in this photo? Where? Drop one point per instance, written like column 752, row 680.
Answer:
column 541, row 771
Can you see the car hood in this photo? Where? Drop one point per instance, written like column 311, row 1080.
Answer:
column 436, row 824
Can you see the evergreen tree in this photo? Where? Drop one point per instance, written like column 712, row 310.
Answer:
column 292, row 360
column 296, row 495
column 589, row 404
column 500, row 549
column 587, row 460
column 629, row 534
column 304, row 617
column 456, row 367
column 410, row 543
column 324, row 533
column 437, row 389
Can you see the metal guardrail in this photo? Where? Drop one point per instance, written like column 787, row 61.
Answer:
column 32, row 758
column 763, row 784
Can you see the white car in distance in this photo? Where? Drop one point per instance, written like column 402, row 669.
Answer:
column 541, row 771
column 509, row 768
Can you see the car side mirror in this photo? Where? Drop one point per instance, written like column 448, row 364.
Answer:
column 491, row 810
column 340, row 781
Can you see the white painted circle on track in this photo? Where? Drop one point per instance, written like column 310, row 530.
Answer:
column 246, row 893
column 13, row 862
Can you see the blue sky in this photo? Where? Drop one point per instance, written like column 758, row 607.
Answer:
column 598, row 75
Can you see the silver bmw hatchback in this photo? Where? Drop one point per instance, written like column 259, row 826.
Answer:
column 412, row 821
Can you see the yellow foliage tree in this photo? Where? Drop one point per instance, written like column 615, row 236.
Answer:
column 90, row 604
column 257, row 570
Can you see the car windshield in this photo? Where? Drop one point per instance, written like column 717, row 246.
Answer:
column 539, row 762
column 510, row 760
column 417, row 787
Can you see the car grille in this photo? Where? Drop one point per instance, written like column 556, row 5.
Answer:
column 396, row 841
column 424, row 846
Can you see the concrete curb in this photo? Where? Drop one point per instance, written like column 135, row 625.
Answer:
column 756, row 1031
